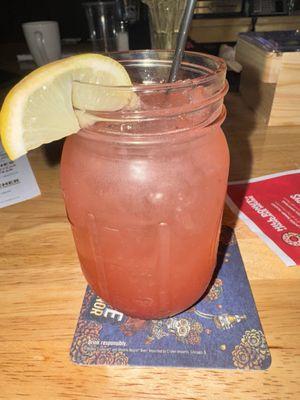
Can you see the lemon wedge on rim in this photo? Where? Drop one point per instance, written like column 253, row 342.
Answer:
column 40, row 108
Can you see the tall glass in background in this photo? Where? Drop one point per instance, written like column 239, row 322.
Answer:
column 104, row 19
column 144, row 186
column 165, row 18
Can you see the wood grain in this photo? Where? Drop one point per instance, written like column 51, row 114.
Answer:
column 286, row 104
column 265, row 64
column 42, row 288
column 270, row 83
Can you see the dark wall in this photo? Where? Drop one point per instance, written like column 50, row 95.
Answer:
column 69, row 14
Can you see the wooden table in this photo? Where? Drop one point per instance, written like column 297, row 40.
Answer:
column 42, row 289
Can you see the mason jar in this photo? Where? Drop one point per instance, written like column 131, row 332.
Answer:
column 144, row 185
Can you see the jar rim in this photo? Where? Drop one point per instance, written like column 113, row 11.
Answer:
column 205, row 77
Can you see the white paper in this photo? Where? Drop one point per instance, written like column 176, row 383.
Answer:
column 17, row 182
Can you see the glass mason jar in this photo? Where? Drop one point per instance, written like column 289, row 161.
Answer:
column 144, row 186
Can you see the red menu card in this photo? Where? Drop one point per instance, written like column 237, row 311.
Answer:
column 270, row 206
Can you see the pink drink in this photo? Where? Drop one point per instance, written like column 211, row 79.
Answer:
column 145, row 197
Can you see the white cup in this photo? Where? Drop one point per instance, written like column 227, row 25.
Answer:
column 43, row 40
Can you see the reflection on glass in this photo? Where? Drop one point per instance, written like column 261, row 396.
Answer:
column 165, row 17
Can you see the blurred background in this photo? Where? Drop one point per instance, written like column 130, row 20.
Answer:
column 241, row 14
column 251, row 35
column 69, row 14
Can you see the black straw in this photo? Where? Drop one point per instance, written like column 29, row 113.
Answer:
column 182, row 37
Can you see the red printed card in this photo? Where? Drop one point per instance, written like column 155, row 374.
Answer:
column 270, row 206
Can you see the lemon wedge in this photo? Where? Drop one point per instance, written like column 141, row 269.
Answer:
column 40, row 108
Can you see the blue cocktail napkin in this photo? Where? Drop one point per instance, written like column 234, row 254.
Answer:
column 222, row 330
